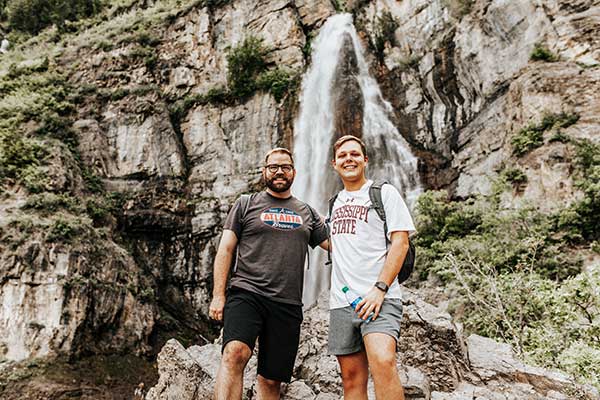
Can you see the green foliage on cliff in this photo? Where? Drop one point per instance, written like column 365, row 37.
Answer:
column 277, row 82
column 516, row 176
column 247, row 71
column 32, row 16
column 18, row 155
column 244, row 63
column 580, row 220
column 513, row 274
column 532, row 136
column 541, row 53
column 384, row 29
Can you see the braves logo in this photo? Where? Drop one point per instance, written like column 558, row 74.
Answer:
column 281, row 218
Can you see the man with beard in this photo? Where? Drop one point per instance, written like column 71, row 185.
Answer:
column 271, row 232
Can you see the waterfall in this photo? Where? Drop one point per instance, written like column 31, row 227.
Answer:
column 315, row 131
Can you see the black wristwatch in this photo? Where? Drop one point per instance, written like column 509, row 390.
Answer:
column 382, row 286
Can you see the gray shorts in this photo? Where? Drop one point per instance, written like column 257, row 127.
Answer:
column 346, row 330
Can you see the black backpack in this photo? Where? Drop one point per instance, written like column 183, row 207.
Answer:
column 376, row 203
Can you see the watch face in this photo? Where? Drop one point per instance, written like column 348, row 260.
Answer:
column 381, row 286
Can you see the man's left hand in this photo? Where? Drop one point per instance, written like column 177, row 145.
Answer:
column 371, row 303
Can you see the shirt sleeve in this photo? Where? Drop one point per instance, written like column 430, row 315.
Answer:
column 318, row 231
column 396, row 212
column 232, row 222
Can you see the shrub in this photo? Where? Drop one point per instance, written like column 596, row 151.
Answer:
column 541, row 53
column 532, row 136
column 50, row 203
column 34, row 15
column 581, row 218
column 63, row 230
column 276, row 81
column 385, row 26
column 17, row 154
column 245, row 63
column 478, row 228
column 516, row 176
column 512, row 275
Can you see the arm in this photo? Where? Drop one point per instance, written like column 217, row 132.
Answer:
column 393, row 263
column 324, row 244
column 223, row 259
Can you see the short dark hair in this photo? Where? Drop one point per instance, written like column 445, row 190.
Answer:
column 279, row 150
column 346, row 138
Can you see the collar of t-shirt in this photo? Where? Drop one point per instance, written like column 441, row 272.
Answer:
column 354, row 193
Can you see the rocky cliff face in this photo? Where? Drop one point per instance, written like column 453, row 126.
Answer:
column 462, row 81
column 458, row 74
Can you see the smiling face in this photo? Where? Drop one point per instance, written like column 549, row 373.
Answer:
column 350, row 162
column 279, row 172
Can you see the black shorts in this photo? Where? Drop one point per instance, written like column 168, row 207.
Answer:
column 249, row 315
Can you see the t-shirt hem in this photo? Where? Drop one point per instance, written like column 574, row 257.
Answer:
column 270, row 297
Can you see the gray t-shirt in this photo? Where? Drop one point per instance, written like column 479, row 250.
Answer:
column 272, row 245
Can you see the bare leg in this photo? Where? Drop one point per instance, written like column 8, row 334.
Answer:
column 230, row 376
column 268, row 389
column 355, row 374
column 381, row 353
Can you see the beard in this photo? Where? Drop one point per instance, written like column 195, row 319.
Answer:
column 279, row 187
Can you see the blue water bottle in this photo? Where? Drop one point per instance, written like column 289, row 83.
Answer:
column 353, row 299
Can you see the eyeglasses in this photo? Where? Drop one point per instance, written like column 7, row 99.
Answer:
column 273, row 168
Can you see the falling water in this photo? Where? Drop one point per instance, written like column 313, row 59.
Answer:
column 390, row 155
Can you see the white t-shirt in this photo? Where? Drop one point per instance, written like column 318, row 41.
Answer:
column 358, row 244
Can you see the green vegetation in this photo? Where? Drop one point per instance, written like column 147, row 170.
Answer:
column 513, row 273
column 245, row 63
column 247, row 71
column 514, row 277
column 541, row 53
column 580, row 220
column 277, row 82
column 516, row 176
column 32, row 16
column 50, row 203
column 384, row 28
column 66, row 229
column 532, row 136
column 19, row 156
column 339, row 5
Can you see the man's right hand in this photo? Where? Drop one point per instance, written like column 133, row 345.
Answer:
column 215, row 310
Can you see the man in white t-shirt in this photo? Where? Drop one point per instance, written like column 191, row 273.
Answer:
column 365, row 262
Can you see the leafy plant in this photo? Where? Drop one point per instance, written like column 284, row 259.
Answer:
column 276, row 81
column 64, row 230
column 512, row 274
column 541, row 53
column 245, row 62
column 384, row 28
column 532, row 136
column 516, row 176
column 581, row 218
column 32, row 16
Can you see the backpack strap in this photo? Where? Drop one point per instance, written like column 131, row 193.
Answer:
column 244, row 204
column 377, row 204
column 313, row 215
column 331, row 202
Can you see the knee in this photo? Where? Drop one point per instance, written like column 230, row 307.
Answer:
column 269, row 383
column 354, row 377
column 382, row 362
column 236, row 354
